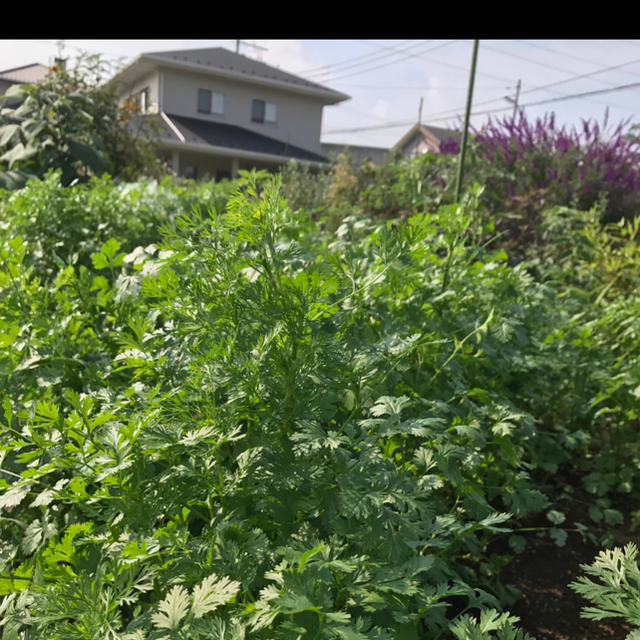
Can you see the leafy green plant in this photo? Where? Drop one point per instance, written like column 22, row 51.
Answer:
column 248, row 425
column 402, row 187
column 469, row 628
column 71, row 121
column 615, row 592
column 304, row 188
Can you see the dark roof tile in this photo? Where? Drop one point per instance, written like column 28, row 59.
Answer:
column 225, row 59
column 219, row 134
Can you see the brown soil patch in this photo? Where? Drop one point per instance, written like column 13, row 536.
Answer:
column 549, row 609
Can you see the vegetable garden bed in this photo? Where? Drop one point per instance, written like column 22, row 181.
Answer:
column 251, row 426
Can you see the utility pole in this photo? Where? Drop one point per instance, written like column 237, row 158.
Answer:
column 467, row 114
column 59, row 60
column 515, row 102
column 420, row 111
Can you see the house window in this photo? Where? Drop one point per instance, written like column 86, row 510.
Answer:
column 210, row 102
column 262, row 111
column 141, row 100
column 144, row 100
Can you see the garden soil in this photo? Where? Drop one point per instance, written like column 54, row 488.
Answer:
column 549, row 609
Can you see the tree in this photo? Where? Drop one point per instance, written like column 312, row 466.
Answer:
column 71, row 121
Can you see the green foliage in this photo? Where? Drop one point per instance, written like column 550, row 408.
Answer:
column 400, row 187
column 71, row 121
column 468, row 628
column 615, row 592
column 304, row 188
column 221, row 420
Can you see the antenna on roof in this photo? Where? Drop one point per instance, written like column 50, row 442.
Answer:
column 249, row 44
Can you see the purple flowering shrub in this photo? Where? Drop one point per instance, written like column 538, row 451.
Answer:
column 527, row 167
column 450, row 146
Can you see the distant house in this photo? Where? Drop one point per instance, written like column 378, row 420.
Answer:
column 217, row 111
column 422, row 138
column 358, row 154
column 27, row 74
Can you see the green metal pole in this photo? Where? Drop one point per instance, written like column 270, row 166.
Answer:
column 463, row 148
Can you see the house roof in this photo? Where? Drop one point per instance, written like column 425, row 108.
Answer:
column 222, row 62
column 26, row 74
column 193, row 131
column 435, row 134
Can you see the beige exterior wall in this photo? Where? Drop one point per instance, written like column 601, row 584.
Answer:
column 417, row 146
column 152, row 80
column 299, row 117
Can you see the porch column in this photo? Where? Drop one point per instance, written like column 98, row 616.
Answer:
column 235, row 165
column 175, row 161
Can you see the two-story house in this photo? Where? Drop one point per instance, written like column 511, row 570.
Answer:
column 217, row 111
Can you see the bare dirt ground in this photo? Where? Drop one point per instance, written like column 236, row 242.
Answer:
column 549, row 609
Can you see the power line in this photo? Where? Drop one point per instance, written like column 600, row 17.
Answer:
column 519, row 57
column 362, row 113
column 391, row 87
column 388, row 125
column 448, row 113
column 622, row 87
column 583, row 75
column 569, row 55
column 436, row 117
column 454, row 66
column 314, row 70
column 631, row 85
column 369, row 58
column 419, row 56
column 380, row 66
column 451, row 113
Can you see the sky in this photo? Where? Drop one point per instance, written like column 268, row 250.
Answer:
column 389, row 79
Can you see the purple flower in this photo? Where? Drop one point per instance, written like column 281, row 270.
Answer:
column 583, row 161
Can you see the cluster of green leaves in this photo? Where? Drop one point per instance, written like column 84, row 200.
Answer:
column 63, row 225
column 615, row 592
column 596, row 270
column 253, row 427
column 398, row 188
column 70, row 121
column 402, row 187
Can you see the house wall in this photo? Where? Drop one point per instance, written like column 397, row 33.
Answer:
column 299, row 117
column 152, row 80
column 418, row 145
